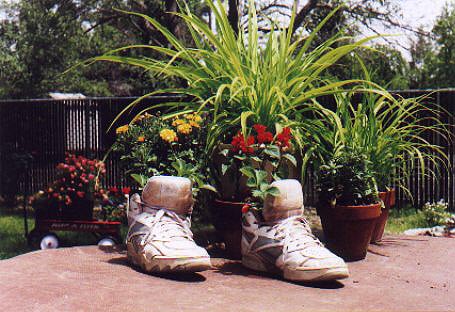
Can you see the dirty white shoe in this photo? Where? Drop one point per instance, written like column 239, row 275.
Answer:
column 159, row 238
column 281, row 241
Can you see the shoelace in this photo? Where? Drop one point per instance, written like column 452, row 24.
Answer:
column 166, row 225
column 296, row 233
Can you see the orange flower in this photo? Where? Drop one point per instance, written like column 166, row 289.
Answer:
column 141, row 139
column 122, row 129
column 168, row 135
column 184, row 128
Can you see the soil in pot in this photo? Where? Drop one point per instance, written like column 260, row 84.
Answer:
column 389, row 201
column 348, row 229
column 227, row 219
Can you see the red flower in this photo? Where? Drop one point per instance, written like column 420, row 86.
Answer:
column 91, row 177
column 113, row 189
column 239, row 143
column 245, row 208
column 126, row 190
column 263, row 136
column 260, row 128
column 284, row 137
column 80, row 194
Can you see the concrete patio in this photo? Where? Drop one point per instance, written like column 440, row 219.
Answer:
column 401, row 274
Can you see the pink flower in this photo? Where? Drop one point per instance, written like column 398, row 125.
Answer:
column 80, row 194
column 91, row 177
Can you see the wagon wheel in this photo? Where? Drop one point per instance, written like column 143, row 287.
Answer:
column 49, row 241
column 108, row 241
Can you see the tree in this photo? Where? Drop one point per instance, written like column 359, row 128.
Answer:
column 421, row 65
column 444, row 60
column 40, row 39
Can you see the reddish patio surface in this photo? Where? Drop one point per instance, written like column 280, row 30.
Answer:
column 402, row 274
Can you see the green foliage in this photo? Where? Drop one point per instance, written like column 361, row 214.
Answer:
column 152, row 146
column 390, row 131
column 39, row 40
column 386, row 65
column 436, row 213
column 346, row 180
column 253, row 163
column 239, row 80
column 404, row 219
column 113, row 206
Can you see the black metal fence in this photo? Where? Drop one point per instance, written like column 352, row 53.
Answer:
column 45, row 129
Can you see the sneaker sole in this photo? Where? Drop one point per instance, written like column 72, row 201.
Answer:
column 169, row 265
column 315, row 275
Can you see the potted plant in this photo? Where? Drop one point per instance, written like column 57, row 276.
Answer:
column 244, row 170
column 390, row 131
column 71, row 196
column 152, row 145
column 348, row 204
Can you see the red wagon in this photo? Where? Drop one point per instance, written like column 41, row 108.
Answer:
column 43, row 235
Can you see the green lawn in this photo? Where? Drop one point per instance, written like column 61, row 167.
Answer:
column 404, row 219
column 13, row 242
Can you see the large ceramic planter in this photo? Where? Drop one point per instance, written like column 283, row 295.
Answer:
column 348, row 229
column 228, row 222
column 389, row 201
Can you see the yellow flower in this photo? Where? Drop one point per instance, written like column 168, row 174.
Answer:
column 184, row 128
column 197, row 118
column 178, row 122
column 122, row 129
column 194, row 124
column 141, row 139
column 168, row 135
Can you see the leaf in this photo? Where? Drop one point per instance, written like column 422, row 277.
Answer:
column 209, row 187
column 248, row 172
column 257, row 193
column 261, row 175
column 224, row 168
column 240, row 157
column 291, row 158
column 273, row 151
column 140, row 179
column 274, row 191
column 224, row 152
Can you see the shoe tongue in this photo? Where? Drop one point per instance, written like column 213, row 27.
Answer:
column 289, row 203
column 172, row 193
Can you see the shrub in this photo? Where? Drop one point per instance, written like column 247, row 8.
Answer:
column 77, row 178
column 346, row 180
column 152, row 146
column 436, row 213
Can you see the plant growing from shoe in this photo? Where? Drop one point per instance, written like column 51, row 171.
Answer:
column 77, row 179
column 238, row 79
column 152, row 145
column 346, row 180
column 390, row 131
column 261, row 157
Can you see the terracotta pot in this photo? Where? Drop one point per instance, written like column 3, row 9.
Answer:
column 348, row 229
column 389, row 201
column 228, row 222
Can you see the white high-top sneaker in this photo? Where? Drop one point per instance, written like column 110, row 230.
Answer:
column 280, row 241
column 159, row 238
